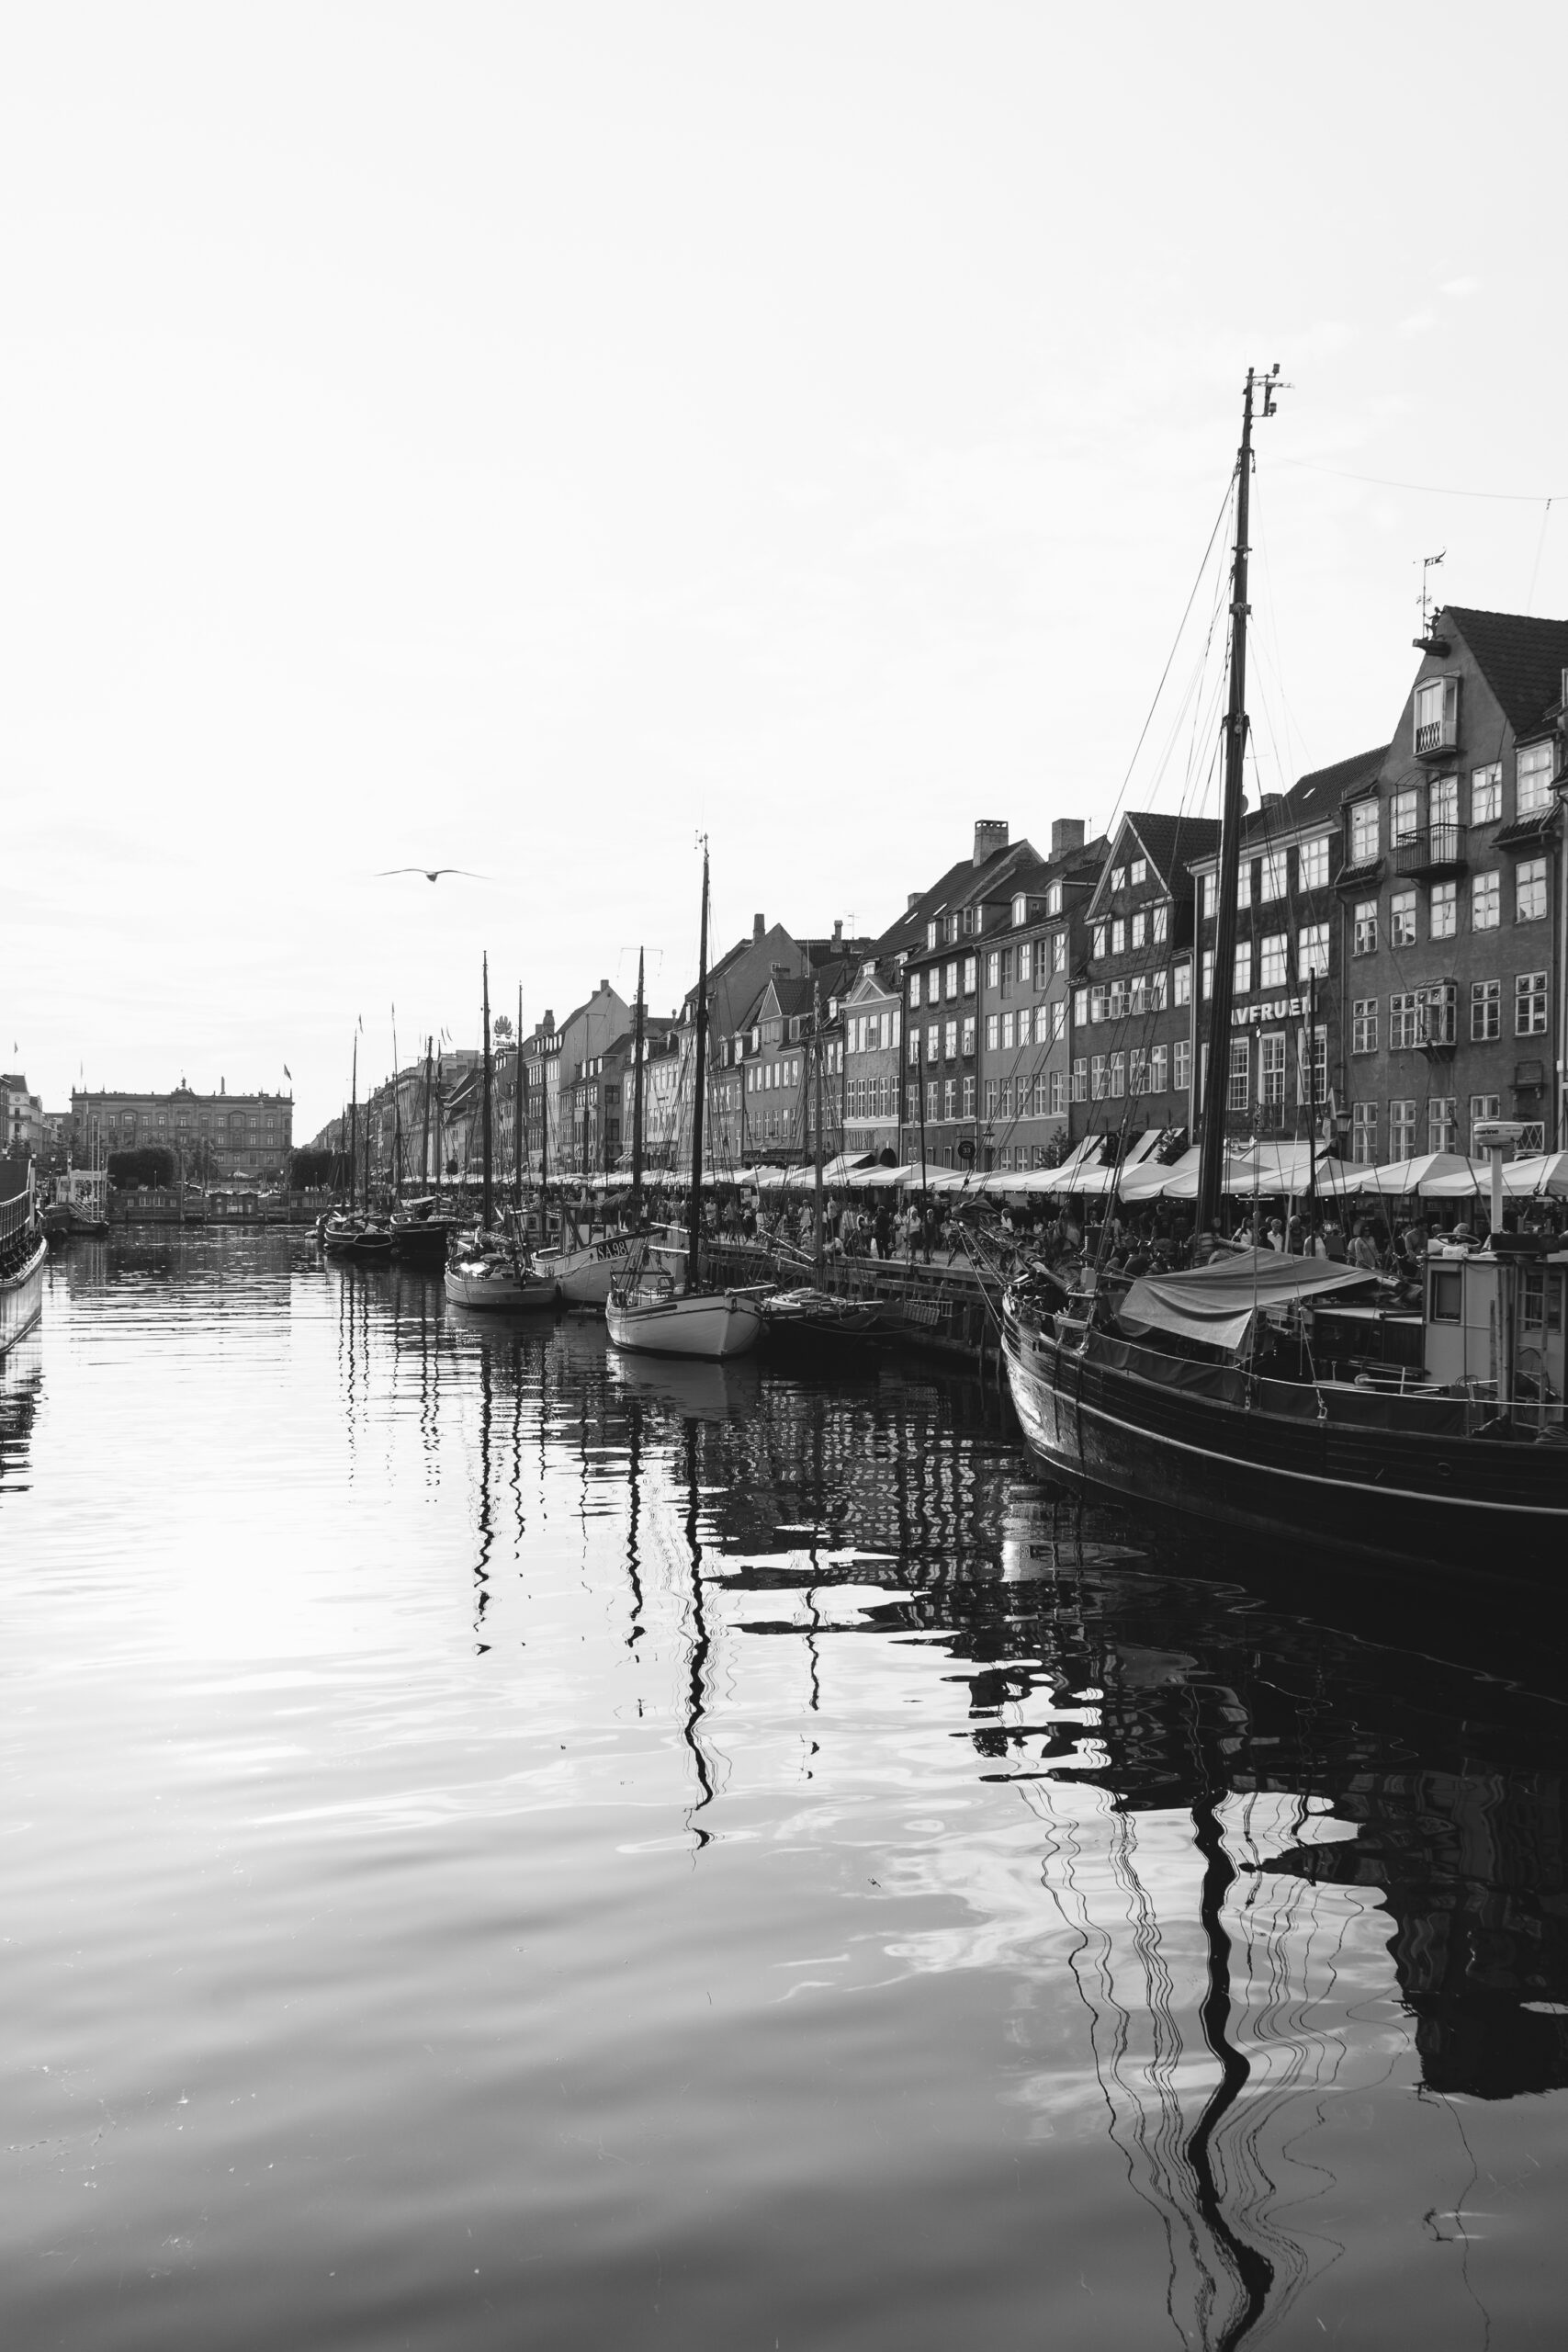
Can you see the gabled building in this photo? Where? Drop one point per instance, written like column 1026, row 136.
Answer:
column 874, row 1036
column 1132, row 1058
column 1290, row 960
column 1452, row 896
column 1024, row 1004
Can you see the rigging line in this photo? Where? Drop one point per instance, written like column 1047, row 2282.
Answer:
column 1143, row 731
column 1539, row 546
column 1427, row 489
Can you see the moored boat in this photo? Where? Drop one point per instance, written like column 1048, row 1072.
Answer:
column 23, row 1254
column 587, row 1275
column 496, row 1278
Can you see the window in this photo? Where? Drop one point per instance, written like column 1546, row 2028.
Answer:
column 1364, row 832
column 1117, row 937
column 1448, row 1294
column 1053, row 899
column 933, row 932
column 1158, row 1065
column 968, row 1039
column 1238, row 1078
column 1401, row 1130
column 1181, row 1064
column 914, row 991
column 1364, row 1026
column 1312, row 859
column 1138, row 994
column 1402, row 1013
column 1364, row 938
column 1485, row 902
column 1019, row 909
column 1081, row 1082
column 1159, row 984
column 1243, row 883
column 1140, row 930
column 1276, row 960
column 1118, row 1003
column 1312, row 950
column 1542, row 1301
column 1081, row 1007
column 1182, row 984
column 1436, row 714
column 994, row 969
column 1137, row 1071
column 993, row 1031
column 1364, row 1133
column 1485, row 1106
column 1442, row 1122
column 1529, row 890
column 1210, row 887
column 1119, row 877
column 1008, row 1037
column 1403, row 815
column 1025, row 960
column 1097, row 1074
column 933, row 1093
column 1241, row 979
column 1312, row 1086
column 952, row 979
column 1272, row 876
column 1098, row 1001
column 1439, row 1014
column 1486, row 1011
column 1100, row 941
column 969, row 965
column 933, row 1041
column 1139, row 870
column 1161, row 915
column 914, row 1055
column 1055, row 1103
column 1271, row 1067
column 1529, row 1005
column 1486, row 795
column 1207, row 975
column 1442, row 801
column 1118, row 1075
column 1533, row 770
column 1058, row 951
column 1402, row 918
column 948, row 1099
column 1443, row 911
column 968, row 1097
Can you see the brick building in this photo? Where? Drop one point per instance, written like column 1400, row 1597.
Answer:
column 1131, row 1032
column 1025, row 1003
column 1451, row 897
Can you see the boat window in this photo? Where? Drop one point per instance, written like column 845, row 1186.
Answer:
column 1448, row 1296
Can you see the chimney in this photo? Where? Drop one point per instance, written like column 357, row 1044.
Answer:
column 839, row 932
column 990, row 835
column 759, row 928
column 603, row 988
column 912, row 901
column 1067, row 833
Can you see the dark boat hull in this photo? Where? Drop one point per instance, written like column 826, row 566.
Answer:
column 1382, row 1493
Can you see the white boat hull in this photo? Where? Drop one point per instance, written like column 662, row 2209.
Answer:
column 587, row 1276
column 21, row 1298
column 711, row 1327
column 501, row 1289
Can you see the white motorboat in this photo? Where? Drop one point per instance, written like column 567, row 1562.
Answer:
column 648, row 1317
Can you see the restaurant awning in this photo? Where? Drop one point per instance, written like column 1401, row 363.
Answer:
column 1217, row 1302
column 1443, row 1175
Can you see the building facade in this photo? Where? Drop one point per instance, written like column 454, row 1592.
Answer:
column 213, row 1137
column 1451, row 897
column 873, row 1077
column 1132, row 1025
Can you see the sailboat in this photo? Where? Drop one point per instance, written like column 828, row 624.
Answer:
column 644, row 1312
column 23, row 1251
column 493, row 1270
column 1211, row 1393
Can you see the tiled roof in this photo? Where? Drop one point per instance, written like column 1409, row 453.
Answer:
column 1537, row 827
column 1321, row 793
column 1172, row 842
column 1522, row 659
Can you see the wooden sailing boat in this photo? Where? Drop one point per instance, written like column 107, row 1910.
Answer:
column 1211, row 1392
column 644, row 1313
column 494, row 1270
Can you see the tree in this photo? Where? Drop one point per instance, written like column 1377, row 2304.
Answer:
column 152, row 1165
column 500, row 1027
column 309, row 1170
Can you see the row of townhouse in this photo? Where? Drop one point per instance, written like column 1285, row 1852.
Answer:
column 1398, row 970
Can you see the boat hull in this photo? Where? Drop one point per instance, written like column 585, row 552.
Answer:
column 711, row 1327
column 586, row 1277
column 1384, row 1494
column 21, row 1298
column 497, row 1292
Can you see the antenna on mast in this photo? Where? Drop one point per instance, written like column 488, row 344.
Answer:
column 1427, row 642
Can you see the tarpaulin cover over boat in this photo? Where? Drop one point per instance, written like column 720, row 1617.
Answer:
column 1216, row 1303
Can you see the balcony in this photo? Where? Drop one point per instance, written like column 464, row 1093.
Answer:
column 1436, row 849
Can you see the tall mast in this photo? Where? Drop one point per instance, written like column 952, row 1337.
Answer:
column 353, row 1127
column 817, row 1043
column 636, row 1098
column 694, row 1215
column 425, row 1123
column 1216, row 1078
column 486, row 1204
column 518, row 1082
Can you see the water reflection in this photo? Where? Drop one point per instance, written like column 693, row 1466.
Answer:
column 1234, row 1891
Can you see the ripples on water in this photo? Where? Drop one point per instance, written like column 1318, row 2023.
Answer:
column 510, row 1845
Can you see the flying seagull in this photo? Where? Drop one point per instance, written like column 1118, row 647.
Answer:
column 431, row 873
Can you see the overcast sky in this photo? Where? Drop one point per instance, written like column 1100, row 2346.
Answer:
column 514, row 437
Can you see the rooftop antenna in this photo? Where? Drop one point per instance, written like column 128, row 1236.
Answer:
column 1425, row 642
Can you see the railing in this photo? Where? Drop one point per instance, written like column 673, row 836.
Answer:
column 1434, row 849
column 1436, row 735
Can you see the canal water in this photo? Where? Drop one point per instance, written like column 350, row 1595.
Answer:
column 510, row 1845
